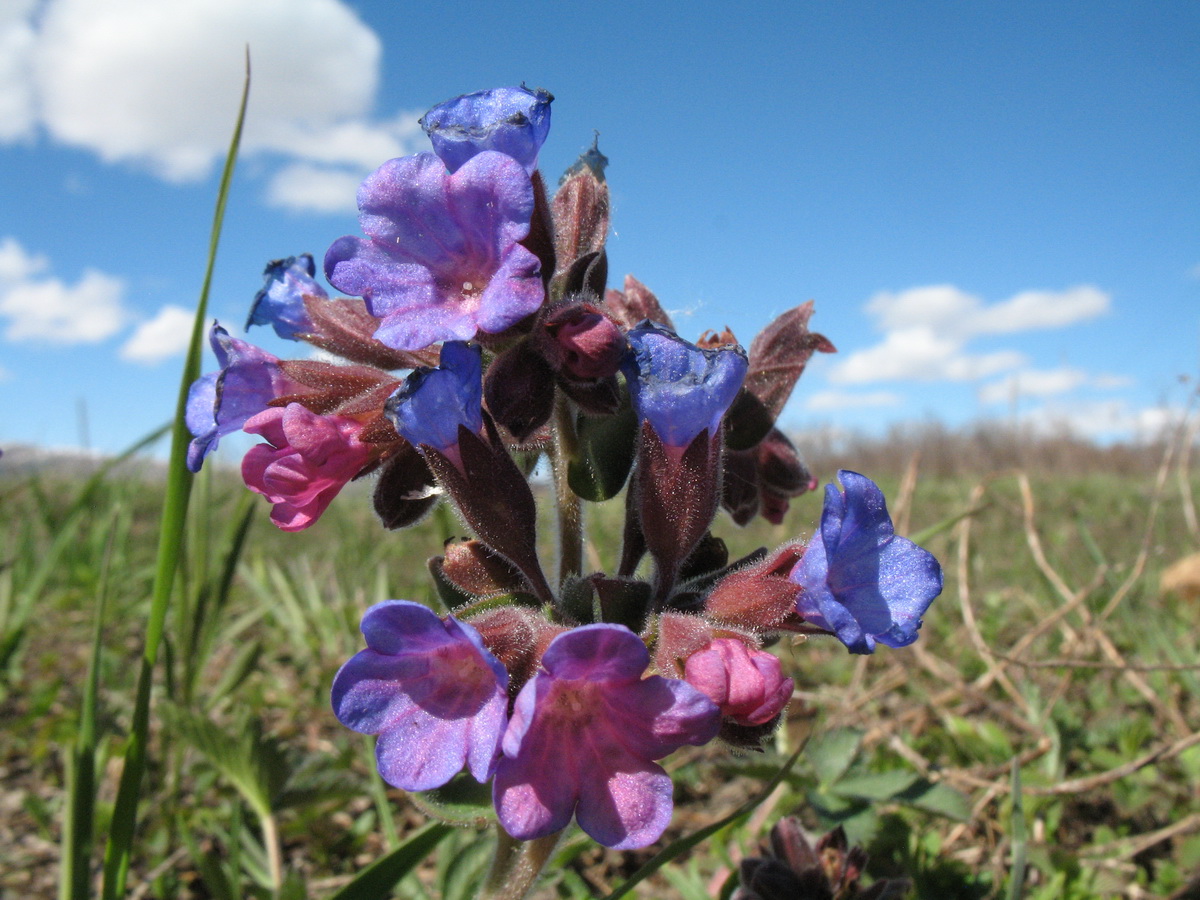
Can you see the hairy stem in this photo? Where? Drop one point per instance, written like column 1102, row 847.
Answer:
column 570, row 514
column 517, row 865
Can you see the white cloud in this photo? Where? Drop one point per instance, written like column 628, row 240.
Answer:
column 43, row 308
column 302, row 187
column 157, row 84
column 1033, row 383
column 927, row 330
column 919, row 354
column 162, row 337
column 1040, row 310
column 954, row 313
column 1046, row 383
column 17, row 40
column 824, row 401
column 1105, row 419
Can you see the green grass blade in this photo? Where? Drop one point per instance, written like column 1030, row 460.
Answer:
column 1016, row 883
column 928, row 534
column 687, row 843
column 78, row 824
column 120, row 838
column 377, row 880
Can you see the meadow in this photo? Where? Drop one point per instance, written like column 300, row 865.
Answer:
column 1041, row 739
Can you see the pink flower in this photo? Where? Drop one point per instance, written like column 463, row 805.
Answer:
column 748, row 684
column 307, row 460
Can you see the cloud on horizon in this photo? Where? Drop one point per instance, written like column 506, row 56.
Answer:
column 823, row 401
column 41, row 307
column 160, row 338
column 1028, row 383
column 927, row 331
column 78, row 72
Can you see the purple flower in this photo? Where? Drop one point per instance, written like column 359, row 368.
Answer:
column 430, row 689
column 678, row 387
column 219, row 403
column 857, row 578
column 583, row 737
column 280, row 303
column 513, row 121
column 432, row 403
column 442, row 260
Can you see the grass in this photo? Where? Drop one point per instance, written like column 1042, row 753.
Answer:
column 1051, row 648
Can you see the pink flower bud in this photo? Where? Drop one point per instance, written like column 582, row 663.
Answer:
column 307, row 460
column 746, row 683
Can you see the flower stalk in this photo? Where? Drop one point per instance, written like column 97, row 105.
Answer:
column 517, row 865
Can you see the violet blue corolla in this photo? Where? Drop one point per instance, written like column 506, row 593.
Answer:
column 442, row 259
column 220, row 402
column 583, row 736
column 431, row 404
column 679, row 388
column 308, row 459
column 511, row 120
column 430, row 689
column 857, row 578
column 280, row 302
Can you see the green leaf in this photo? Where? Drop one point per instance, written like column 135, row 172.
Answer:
column 877, row 786
column 461, row 801
column 606, row 445
column 938, row 798
column 684, row 844
column 253, row 764
column 377, row 880
column 1016, row 883
column 832, row 752
column 118, row 851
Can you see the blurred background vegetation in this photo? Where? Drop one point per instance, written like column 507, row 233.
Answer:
column 1054, row 650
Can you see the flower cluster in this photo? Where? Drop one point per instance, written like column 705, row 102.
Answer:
column 479, row 334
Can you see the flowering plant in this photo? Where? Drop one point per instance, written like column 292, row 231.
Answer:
column 480, row 334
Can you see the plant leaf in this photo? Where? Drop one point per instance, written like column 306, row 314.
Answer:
column 377, row 880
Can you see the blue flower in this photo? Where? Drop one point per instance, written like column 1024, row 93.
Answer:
column 513, row 121
column 432, row 403
column 857, row 578
column 430, row 689
column 221, row 402
column 443, row 258
column 679, row 388
column 280, row 303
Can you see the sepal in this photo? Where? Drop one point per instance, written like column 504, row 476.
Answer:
column 606, row 447
column 471, row 567
column 778, row 357
column 494, row 499
column 462, row 801
column 635, row 304
column 406, row 489
column 519, row 390
column 676, row 496
column 760, row 596
column 345, row 328
column 581, row 212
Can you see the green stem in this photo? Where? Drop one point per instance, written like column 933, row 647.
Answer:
column 517, row 865
column 270, row 834
column 119, row 848
column 570, row 514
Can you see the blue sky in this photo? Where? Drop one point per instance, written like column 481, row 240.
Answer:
column 993, row 205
